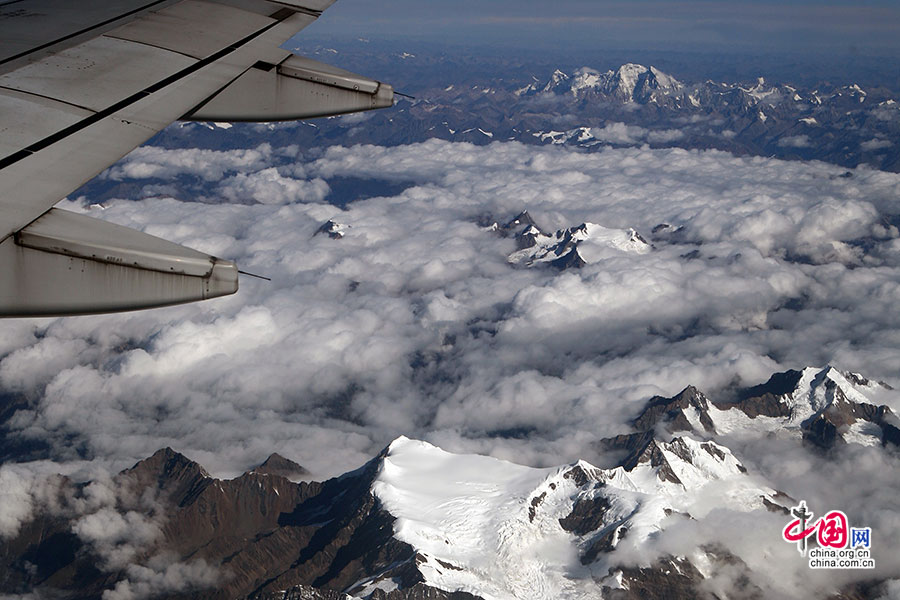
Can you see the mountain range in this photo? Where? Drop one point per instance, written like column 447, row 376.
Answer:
column 632, row 105
column 417, row 522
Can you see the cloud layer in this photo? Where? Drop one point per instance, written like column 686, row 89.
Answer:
column 414, row 322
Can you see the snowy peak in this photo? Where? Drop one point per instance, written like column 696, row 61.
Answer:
column 629, row 83
column 681, row 412
column 574, row 247
column 519, row 225
column 670, row 468
column 822, row 405
column 658, row 80
column 760, row 92
column 586, row 78
column 642, row 84
column 454, row 510
column 627, row 77
column 852, row 92
column 556, row 79
column 332, row 229
column 636, row 83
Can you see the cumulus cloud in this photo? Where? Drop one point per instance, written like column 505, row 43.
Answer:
column 120, row 526
column 16, row 502
column 795, row 141
column 268, row 186
column 415, row 323
column 28, row 488
column 875, row 144
column 162, row 577
column 629, row 135
column 117, row 537
column 149, row 162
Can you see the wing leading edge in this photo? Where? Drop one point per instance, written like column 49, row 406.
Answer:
column 100, row 91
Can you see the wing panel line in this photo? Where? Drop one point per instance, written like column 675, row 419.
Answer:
column 111, row 110
column 81, row 32
column 46, row 97
column 149, row 45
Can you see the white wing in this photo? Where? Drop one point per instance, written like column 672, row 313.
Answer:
column 84, row 83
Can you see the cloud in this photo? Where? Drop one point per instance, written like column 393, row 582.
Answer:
column 892, row 591
column 149, row 162
column 415, row 323
column 117, row 537
column 795, row 141
column 630, row 135
column 27, row 488
column 875, row 144
column 17, row 504
column 268, row 186
column 163, row 577
column 119, row 526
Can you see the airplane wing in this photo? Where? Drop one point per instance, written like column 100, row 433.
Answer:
column 83, row 83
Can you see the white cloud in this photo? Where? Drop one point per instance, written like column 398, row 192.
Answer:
column 16, row 503
column 795, row 141
column 161, row 577
column 118, row 537
column 211, row 165
column 629, row 135
column 268, row 186
column 875, row 144
column 414, row 323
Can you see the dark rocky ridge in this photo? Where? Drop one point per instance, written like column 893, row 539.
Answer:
column 265, row 532
column 279, row 465
column 671, row 411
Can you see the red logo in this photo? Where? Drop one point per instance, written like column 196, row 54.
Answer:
column 832, row 528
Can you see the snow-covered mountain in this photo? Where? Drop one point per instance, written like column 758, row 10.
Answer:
column 822, row 406
column 547, row 531
column 844, row 123
column 420, row 523
column 332, row 229
column 629, row 83
column 573, row 247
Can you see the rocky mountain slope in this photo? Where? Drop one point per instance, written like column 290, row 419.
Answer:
column 417, row 522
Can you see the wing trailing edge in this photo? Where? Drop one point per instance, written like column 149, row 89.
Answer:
column 69, row 264
column 298, row 88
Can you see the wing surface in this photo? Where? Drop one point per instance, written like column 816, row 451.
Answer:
column 81, row 88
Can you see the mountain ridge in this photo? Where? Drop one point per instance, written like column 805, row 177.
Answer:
column 417, row 522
